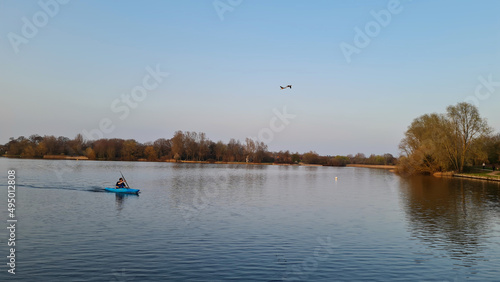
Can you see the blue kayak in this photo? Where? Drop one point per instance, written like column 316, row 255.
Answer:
column 122, row 190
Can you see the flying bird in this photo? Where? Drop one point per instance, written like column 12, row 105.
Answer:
column 288, row 86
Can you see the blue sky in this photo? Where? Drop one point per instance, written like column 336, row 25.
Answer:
column 225, row 68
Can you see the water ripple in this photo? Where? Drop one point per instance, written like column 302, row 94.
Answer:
column 198, row 222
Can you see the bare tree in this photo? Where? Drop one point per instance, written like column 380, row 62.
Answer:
column 178, row 147
column 250, row 149
column 438, row 142
column 150, row 153
column 191, row 145
column 467, row 127
column 260, row 151
column 203, row 143
column 129, row 151
column 220, row 150
column 163, row 147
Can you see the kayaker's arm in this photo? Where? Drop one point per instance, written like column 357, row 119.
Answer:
column 120, row 184
column 125, row 180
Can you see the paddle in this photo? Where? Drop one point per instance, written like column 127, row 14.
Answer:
column 126, row 184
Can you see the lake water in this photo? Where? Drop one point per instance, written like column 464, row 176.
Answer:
column 209, row 222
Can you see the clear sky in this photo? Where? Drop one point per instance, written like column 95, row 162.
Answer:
column 64, row 68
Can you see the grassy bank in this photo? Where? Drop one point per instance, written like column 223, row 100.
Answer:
column 479, row 173
column 483, row 175
column 478, row 176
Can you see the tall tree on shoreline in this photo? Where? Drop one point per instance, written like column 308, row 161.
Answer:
column 178, row 145
column 163, row 147
column 436, row 142
column 467, row 126
column 220, row 150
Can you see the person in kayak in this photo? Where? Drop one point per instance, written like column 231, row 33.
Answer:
column 120, row 183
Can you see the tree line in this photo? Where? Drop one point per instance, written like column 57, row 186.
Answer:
column 452, row 141
column 183, row 146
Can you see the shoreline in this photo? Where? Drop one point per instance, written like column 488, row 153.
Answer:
column 79, row 158
column 460, row 175
column 390, row 167
column 62, row 157
column 438, row 174
column 84, row 158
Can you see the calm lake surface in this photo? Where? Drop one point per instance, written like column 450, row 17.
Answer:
column 201, row 222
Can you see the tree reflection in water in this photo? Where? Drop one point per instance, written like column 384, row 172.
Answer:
column 455, row 215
